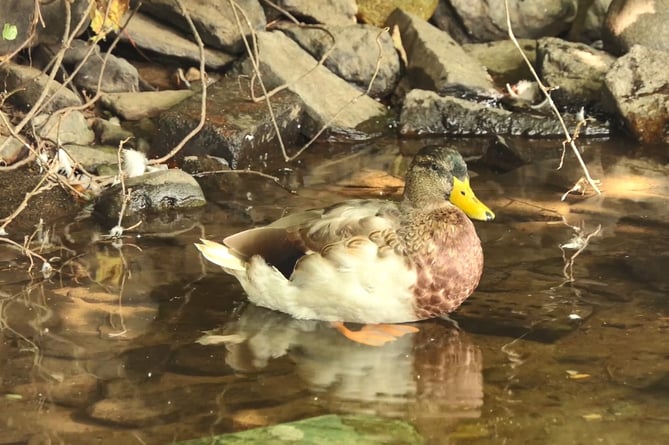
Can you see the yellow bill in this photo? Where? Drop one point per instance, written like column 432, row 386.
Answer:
column 463, row 197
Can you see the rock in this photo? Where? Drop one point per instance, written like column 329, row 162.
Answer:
column 637, row 84
column 328, row 12
column 118, row 76
column 49, row 205
column 427, row 113
column 589, row 20
column 485, row 20
column 109, row 133
column 636, row 22
column 576, row 69
column 136, row 106
column 11, row 150
column 328, row 99
column 53, row 17
column 27, row 83
column 92, row 158
column 240, row 131
column 447, row 20
column 54, row 14
column 435, row 61
column 214, row 21
column 376, row 12
column 153, row 36
column 355, row 53
column 66, row 128
column 502, row 59
column 75, row 391
column 152, row 192
column 324, row 430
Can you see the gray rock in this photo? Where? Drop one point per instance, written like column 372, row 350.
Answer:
column 27, row 84
column 328, row 12
column 151, row 35
column 151, row 192
column 92, row 158
column 502, row 59
column 427, row 113
column 354, row 54
column 136, row 106
column 637, row 84
column 435, row 61
column 52, row 14
column 65, row 128
column 485, row 20
column 240, row 131
column 636, row 22
column 215, row 21
column 118, row 75
column 576, row 69
column 589, row 20
column 328, row 99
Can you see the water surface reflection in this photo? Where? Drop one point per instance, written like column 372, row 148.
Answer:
column 563, row 342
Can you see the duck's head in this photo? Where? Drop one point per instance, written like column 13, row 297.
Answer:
column 439, row 173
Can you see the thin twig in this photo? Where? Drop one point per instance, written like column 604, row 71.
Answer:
column 546, row 91
column 203, row 96
column 274, row 179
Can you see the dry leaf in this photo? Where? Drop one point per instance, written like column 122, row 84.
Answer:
column 115, row 9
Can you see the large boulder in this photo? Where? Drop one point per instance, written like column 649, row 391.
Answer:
column 636, row 22
column 637, row 85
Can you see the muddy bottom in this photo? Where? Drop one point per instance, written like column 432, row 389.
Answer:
column 564, row 341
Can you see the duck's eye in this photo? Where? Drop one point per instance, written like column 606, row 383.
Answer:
column 436, row 168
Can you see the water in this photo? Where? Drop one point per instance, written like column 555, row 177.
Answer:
column 564, row 341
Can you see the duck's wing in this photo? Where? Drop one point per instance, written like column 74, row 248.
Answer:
column 284, row 241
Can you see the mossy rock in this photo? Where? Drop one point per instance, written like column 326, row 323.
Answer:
column 376, row 12
column 323, row 430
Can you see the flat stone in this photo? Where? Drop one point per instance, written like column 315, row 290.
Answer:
column 151, row 35
column 136, row 106
column 327, row 98
column 435, row 61
column 425, row 113
column 91, row 158
column 237, row 129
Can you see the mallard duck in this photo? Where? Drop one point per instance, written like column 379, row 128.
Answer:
column 368, row 261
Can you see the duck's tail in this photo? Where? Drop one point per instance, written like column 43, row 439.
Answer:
column 221, row 255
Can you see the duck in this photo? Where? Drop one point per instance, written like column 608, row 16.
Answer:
column 373, row 262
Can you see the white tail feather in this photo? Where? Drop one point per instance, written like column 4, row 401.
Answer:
column 220, row 255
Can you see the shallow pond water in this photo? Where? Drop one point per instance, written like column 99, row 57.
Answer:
column 564, row 341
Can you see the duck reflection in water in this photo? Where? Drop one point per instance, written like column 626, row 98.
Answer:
column 435, row 374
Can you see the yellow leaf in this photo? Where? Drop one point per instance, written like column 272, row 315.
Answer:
column 106, row 16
